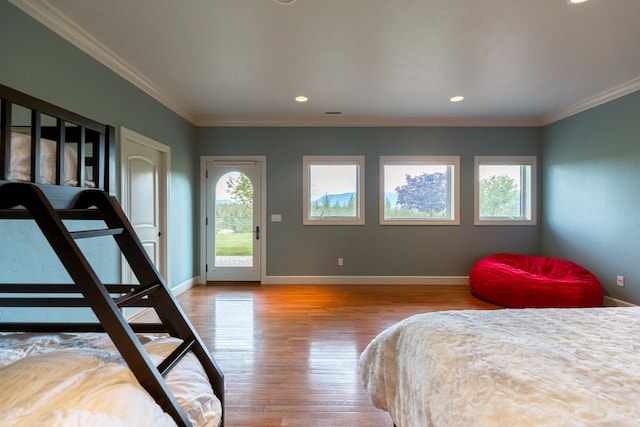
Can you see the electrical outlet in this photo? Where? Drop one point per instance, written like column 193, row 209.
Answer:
column 340, row 262
column 620, row 281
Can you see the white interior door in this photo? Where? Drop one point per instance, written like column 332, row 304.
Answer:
column 145, row 196
column 233, row 221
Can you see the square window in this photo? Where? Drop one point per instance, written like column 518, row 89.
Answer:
column 505, row 190
column 333, row 190
column 419, row 190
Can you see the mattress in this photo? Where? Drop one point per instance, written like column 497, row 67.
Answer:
column 530, row 367
column 81, row 380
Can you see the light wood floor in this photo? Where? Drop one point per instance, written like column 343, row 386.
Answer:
column 289, row 353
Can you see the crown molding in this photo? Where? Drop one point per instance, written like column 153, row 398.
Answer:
column 596, row 100
column 56, row 21
column 369, row 122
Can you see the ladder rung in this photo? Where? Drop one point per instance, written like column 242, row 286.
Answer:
column 57, row 288
column 19, row 213
column 134, row 296
column 59, row 302
column 176, row 355
column 76, row 327
column 96, row 233
column 43, row 302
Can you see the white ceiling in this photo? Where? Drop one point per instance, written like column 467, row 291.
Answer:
column 379, row 62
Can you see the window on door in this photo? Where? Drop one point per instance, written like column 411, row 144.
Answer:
column 234, row 221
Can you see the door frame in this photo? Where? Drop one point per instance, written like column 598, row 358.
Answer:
column 128, row 136
column 203, row 209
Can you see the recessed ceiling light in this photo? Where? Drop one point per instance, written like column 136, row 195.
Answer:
column 576, row 1
column 285, row 2
column 456, row 98
column 301, row 98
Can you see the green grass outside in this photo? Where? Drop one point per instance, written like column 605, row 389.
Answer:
column 235, row 244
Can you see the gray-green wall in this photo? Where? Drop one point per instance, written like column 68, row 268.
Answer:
column 372, row 249
column 38, row 62
column 591, row 180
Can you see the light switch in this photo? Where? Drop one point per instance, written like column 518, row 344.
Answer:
column 276, row 218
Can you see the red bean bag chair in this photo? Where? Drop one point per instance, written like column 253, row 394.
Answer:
column 521, row 281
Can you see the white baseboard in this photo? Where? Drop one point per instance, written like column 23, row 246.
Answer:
column 185, row 286
column 365, row 280
column 614, row 302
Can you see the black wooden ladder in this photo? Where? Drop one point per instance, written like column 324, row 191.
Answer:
column 151, row 292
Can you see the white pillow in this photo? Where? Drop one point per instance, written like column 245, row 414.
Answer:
column 20, row 168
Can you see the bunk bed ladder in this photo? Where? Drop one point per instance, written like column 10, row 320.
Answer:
column 152, row 289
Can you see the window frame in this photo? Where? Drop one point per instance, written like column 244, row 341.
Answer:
column 528, row 189
column 358, row 161
column 453, row 187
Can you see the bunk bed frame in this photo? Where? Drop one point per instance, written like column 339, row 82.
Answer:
column 49, row 204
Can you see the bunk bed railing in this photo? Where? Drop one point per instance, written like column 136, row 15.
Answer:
column 69, row 127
